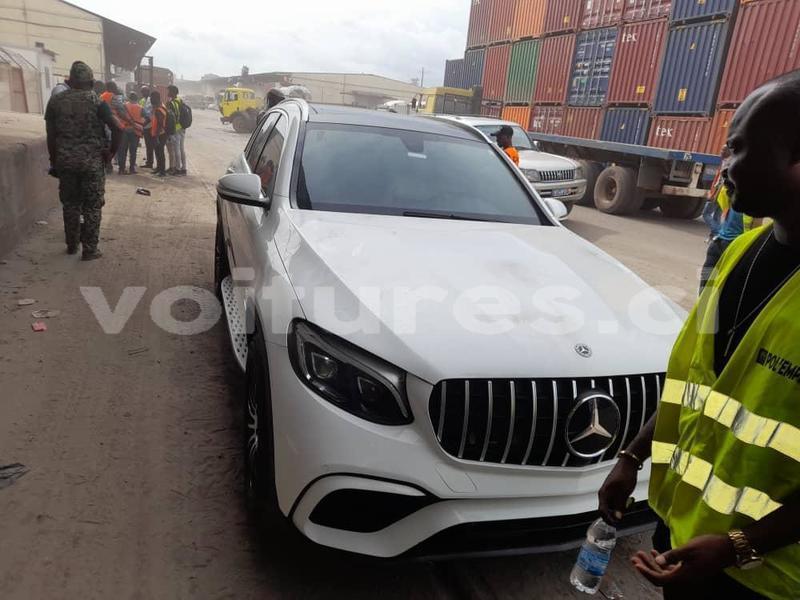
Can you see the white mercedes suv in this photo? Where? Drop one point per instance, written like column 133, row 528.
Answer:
column 433, row 363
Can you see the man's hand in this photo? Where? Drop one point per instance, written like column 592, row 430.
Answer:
column 703, row 556
column 616, row 490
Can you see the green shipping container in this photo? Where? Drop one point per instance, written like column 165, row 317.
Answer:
column 522, row 71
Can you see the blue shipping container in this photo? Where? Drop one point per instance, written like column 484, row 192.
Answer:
column 473, row 68
column 700, row 9
column 591, row 69
column 626, row 126
column 454, row 73
column 692, row 68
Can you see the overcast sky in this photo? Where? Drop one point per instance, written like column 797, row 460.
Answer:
column 391, row 38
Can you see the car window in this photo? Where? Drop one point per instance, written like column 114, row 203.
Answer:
column 350, row 168
column 257, row 140
column 520, row 141
column 270, row 159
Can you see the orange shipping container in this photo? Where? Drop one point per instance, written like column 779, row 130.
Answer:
column 528, row 19
column 501, row 20
column 518, row 114
column 718, row 136
column 495, row 71
column 583, row 122
column 689, row 134
column 547, row 119
column 555, row 62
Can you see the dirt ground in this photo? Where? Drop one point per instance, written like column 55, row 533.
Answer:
column 132, row 439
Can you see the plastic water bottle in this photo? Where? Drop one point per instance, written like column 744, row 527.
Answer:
column 593, row 558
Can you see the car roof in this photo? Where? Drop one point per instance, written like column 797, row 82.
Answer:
column 347, row 115
column 477, row 121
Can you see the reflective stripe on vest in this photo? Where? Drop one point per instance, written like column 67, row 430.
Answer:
column 726, row 449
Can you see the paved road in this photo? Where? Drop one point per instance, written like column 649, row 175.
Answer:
column 132, row 438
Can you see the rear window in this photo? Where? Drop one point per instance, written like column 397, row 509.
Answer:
column 351, row 168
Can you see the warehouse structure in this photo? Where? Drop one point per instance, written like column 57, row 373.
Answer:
column 663, row 73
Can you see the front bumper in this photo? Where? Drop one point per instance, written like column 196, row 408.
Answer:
column 407, row 495
column 565, row 191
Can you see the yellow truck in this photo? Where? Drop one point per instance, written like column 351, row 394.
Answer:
column 240, row 107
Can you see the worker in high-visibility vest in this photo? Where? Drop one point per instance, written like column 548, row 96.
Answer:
column 725, row 442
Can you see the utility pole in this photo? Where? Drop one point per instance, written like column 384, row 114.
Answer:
column 422, row 79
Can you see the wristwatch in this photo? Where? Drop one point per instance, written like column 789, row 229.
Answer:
column 746, row 556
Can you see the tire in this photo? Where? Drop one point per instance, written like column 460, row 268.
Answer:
column 591, row 171
column 651, row 203
column 615, row 192
column 221, row 266
column 239, row 124
column 259, row 445
column 682, row 208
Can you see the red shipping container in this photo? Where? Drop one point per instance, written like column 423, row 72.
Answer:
column 547, row 119
column 518, row 114
column 689, row 134
column 528, row 19
column 491, row 109
column 764, row 45
column 601, row 13
column 634, row 76
column 479, row 14
column 555, row 64
column 501, row 20
column 643, row 10
column 583, row 122
column 495, row 71
column 718, row 135
column 562, row 16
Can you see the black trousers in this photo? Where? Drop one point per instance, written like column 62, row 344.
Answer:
column 719, row 586
column 715, row 250
column 158, row 148
column 148, row 145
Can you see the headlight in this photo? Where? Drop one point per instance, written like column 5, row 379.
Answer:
column 578, row 172
column 532, row 174
column 349, row 377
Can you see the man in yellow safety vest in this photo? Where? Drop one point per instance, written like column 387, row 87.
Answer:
column 725, row 442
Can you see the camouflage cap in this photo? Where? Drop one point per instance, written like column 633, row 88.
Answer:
column 81, row 72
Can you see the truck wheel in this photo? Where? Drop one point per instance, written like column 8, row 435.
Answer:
column 615, row 192
column 682, row 208
column 239, row 124
column 591, row 171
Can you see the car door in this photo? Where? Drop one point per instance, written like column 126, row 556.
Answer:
column 247, row 221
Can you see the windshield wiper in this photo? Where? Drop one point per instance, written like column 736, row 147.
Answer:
column 451, row 216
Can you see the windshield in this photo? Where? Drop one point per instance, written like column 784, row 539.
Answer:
column 520, row 141
column 349, row 168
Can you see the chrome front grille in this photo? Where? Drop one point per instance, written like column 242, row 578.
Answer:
column 523, row 421
column 551, row 176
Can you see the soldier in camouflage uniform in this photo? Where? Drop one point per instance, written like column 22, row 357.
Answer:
column 79, row 153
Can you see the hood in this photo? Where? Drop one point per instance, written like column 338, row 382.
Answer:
column 454, row 299
column 542, row 161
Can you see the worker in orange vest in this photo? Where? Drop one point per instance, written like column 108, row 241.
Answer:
column 504, row 137
column 158, row 132
column 109, row 93
column 131, row 120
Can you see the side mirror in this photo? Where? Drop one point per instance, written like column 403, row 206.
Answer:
column 242, row 188
column 556, row 208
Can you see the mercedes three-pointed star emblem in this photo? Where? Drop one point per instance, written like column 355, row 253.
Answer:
column 592, row 425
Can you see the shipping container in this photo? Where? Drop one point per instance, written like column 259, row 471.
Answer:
column 626, row 126
column 501, row 20
column 644, row 10
column 495, row 71
column 688, row 134
column 764, row 45
column 522, row 71
column 518, row 114
column 555, row 61
column 637, row 58
column 591, row 69
column 692, row 67
column 562, row 16
column 583, row 122
column 479, row 15
column 490, row 108
column 683, row 10
column 547, row 119
column 718, row 136
column 601, row 13
column 454, row 73
column 473, row 67
column 528, row 19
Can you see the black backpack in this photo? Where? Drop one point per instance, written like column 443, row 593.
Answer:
column 185, row 116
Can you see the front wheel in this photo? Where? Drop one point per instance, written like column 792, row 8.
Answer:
column 239, row 124
column 615, row 192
